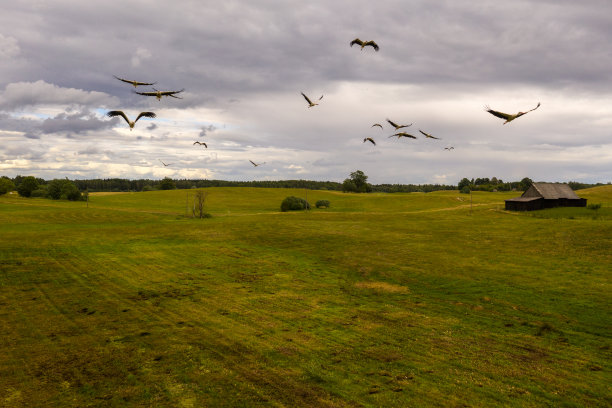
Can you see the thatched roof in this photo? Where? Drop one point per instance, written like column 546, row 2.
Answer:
column 550, row 191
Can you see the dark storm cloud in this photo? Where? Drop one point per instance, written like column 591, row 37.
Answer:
column 77, row 123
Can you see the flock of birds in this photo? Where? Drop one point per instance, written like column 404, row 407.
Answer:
column 399, row 134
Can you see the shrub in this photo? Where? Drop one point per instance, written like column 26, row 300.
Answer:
column 465, row 190
column 39, row 192
column 322, row 203
column 6, row 185
column 292, row 203
column 594, row 206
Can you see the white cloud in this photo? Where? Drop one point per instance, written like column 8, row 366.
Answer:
column 9, row 47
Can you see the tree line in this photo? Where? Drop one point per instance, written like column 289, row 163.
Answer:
column 30, row 186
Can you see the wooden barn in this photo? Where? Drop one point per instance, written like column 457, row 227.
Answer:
column 545, row 195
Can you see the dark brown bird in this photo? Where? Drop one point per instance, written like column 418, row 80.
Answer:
column 507, row 116
column 159, row 94
column 449, row 148
column 428, row 135
column 403, row 134
column 396, row 126
column 377, row 124
column 256, row 164
column 369, row 139
column 123, row 115
column 310, row 103
column 201, row 144
column 135, row 83
column 165, row 165
column 364, row 44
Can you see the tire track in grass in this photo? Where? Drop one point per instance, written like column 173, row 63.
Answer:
column 246, row 360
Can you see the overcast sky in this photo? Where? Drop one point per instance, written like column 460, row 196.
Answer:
column 243, row 65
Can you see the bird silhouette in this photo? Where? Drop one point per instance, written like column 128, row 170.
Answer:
column 165, row 165
column 507, row 116
column 377, row 124
column 369, row 139
column 159, row 94
column 310, row 103
column 135, row 83
column 201, row 144
column 364, row 44
column 396, row 126
column 123, row 115
column 256, row 164
column 403, row 134
column 428, row 135
column 449, row 148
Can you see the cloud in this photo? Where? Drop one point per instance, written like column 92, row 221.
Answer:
column 9, row 47
column 23, row 94
column 75, row 123
column 205, row 129
column 140, row 55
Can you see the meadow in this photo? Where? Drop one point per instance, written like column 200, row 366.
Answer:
column 387, row 300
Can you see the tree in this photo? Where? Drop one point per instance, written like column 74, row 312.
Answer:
column 167, row 184
column 63, row 189
column 198, row 204
column 358, row 182
column 27, row 185
column 6, row 185
column 464, row 183
column 525, row 183
column 294, row 204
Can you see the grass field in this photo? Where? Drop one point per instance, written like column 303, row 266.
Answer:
column 388, row 300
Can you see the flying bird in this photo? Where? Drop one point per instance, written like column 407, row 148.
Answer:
column 310, row 103
column 256, row 164
column 428, row 135
column 377, row 124
column 123, row 115
column 135, row 83
column 507, row 116
column 159, row 94
column 165, row 165
column 369, row 139
column 364, row 44
column 403, row 134
column 201, row 144
column 449, row 148
column 396, row 126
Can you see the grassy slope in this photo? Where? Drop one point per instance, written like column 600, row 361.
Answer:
column 382, row 300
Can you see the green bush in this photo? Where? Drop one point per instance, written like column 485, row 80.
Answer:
column 292, row 203
column 27, row 185
column 6, row 185
column 322, row 203
column 39, row 192
column 594, row 206
column 465, row 190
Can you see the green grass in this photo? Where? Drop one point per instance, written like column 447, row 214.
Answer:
column 379, row 300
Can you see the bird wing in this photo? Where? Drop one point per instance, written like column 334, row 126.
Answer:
column 534, row 108
column 428, row 135
column 403, row 134
column 171, row 93
column 356, row 41
column 372, row 44
column 205, row 145
column 112, row 114
column 146, row 93
column 377, row 124
column 305, row 97
column 392, row 123
column 321, row 97
column 252, row 162
column 135, row 83
column 369, row 139
column 498, row 114
column 146, row 115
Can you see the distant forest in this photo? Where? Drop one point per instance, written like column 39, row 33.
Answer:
column 125, row 185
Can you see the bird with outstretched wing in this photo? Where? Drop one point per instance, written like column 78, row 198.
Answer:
column 115, row 113
column 159, row 94
column 364, row 44
column 508, row 117
column 135, row 83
